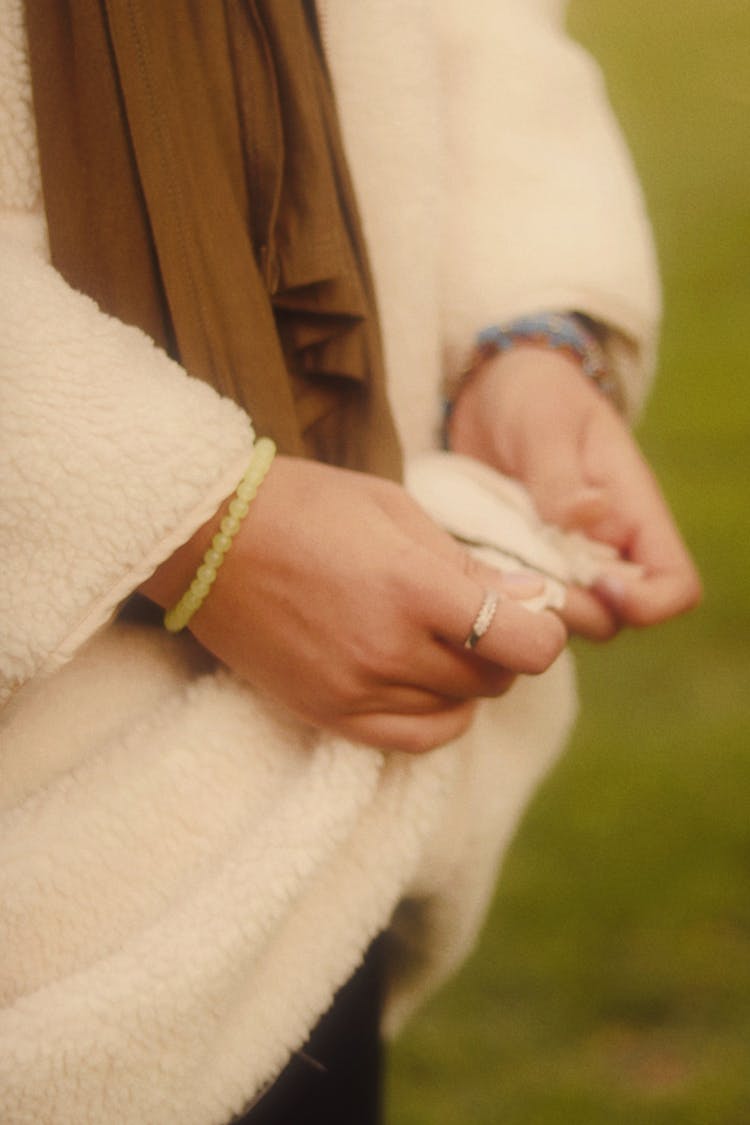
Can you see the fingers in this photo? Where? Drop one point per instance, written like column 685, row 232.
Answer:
column 517, row 640
column 587, row 615
column 617, row 600
column 446, row 672
column 445, row 587
column 652, row 599
column 441, row 673
column 409, row 699
column 669, row 584
column 630, row 512
column 523, row 641
column 664, row 584
column 409, row 733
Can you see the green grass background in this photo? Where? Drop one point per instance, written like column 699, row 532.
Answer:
column 612, row 983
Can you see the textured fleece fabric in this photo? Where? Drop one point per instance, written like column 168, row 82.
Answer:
column 186, row 873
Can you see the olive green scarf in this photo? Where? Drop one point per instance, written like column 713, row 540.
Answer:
column 195, row 185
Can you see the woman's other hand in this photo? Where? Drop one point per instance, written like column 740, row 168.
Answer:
column 533, row 414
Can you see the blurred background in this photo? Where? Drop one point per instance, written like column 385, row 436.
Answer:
column 612, row 983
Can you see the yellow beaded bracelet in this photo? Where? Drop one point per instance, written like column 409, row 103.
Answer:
column 179, row 615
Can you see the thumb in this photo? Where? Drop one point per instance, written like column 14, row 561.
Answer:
column 558, row 487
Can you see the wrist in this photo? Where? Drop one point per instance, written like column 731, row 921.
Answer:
column 184, row 580
column 507, row 388
column 565, row 335
column 173, row 576
column 568, row 333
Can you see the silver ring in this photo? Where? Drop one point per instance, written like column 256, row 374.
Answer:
column 483, row 619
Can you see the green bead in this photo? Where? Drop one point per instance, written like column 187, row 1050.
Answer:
column 230, row 525
column 206, row 573
column 239, row 508
column 213, row 558
column 173, row 621
column 221, row 542
column 247, row 490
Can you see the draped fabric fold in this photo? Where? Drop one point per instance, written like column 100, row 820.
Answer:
column 195, row 185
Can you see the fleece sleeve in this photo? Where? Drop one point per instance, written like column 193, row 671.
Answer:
column 545, row 208
column 110, row 457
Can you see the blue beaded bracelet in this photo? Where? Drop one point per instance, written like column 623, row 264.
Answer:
column 553, row 330
column 563, row 331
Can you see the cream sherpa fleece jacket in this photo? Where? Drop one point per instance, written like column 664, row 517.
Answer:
column 186, row 873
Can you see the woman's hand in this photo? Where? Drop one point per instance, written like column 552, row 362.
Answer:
column 343, row 600
column 532, row 414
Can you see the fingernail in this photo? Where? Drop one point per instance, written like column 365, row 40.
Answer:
column 612, row 589
column 522, row 584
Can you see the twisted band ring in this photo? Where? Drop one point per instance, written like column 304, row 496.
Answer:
column 483, row 619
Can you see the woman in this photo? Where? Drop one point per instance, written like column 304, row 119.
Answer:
column 195, row 856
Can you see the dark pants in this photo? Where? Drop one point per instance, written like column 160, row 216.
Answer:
column 336, row 1078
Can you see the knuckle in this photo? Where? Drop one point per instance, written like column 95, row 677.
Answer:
column 380, row 656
